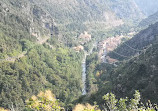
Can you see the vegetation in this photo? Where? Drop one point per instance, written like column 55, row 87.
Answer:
column 149, row 21
column 45, row 101
column 136, row 73
column 91, row 64
column 124, row 77
column 2, row 109
column 37, row 38
column 86, row 107
column 41, row 68
column 126, row 104
column 138, row 44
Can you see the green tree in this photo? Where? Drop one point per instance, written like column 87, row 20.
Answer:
column 44, row 101
column 112, row 104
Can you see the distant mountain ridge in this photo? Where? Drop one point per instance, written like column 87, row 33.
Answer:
column 84, row 10
column 148, row 7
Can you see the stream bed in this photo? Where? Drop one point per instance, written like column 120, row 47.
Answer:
column 84, row 75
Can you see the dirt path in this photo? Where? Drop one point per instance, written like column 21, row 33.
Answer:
column 12, row 59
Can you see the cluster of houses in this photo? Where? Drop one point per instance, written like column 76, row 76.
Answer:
column 108, row 45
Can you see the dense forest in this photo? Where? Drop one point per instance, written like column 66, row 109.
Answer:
column 53, row 50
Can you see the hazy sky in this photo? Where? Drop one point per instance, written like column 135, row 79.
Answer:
column 149, row 7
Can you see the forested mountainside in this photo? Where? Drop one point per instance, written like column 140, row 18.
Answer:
column 136, row 72
column 139, row 73
column 76, row 16
column 20, row 25
column 38, row 18
column 149, row 20
column 32, row 58
column 85, row 10
column 44, row 42
column 148, row 7
column 137, row 44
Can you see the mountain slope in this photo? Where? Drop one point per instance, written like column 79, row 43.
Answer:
column 33, row 35
column 31, row 57
column 137, row 44
column 29, row 23
column 136, row 73
column 140, row 72
column 150, row 20
column 84, row 10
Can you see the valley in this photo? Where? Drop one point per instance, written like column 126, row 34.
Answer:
column 110, row 44
column 78, row 55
